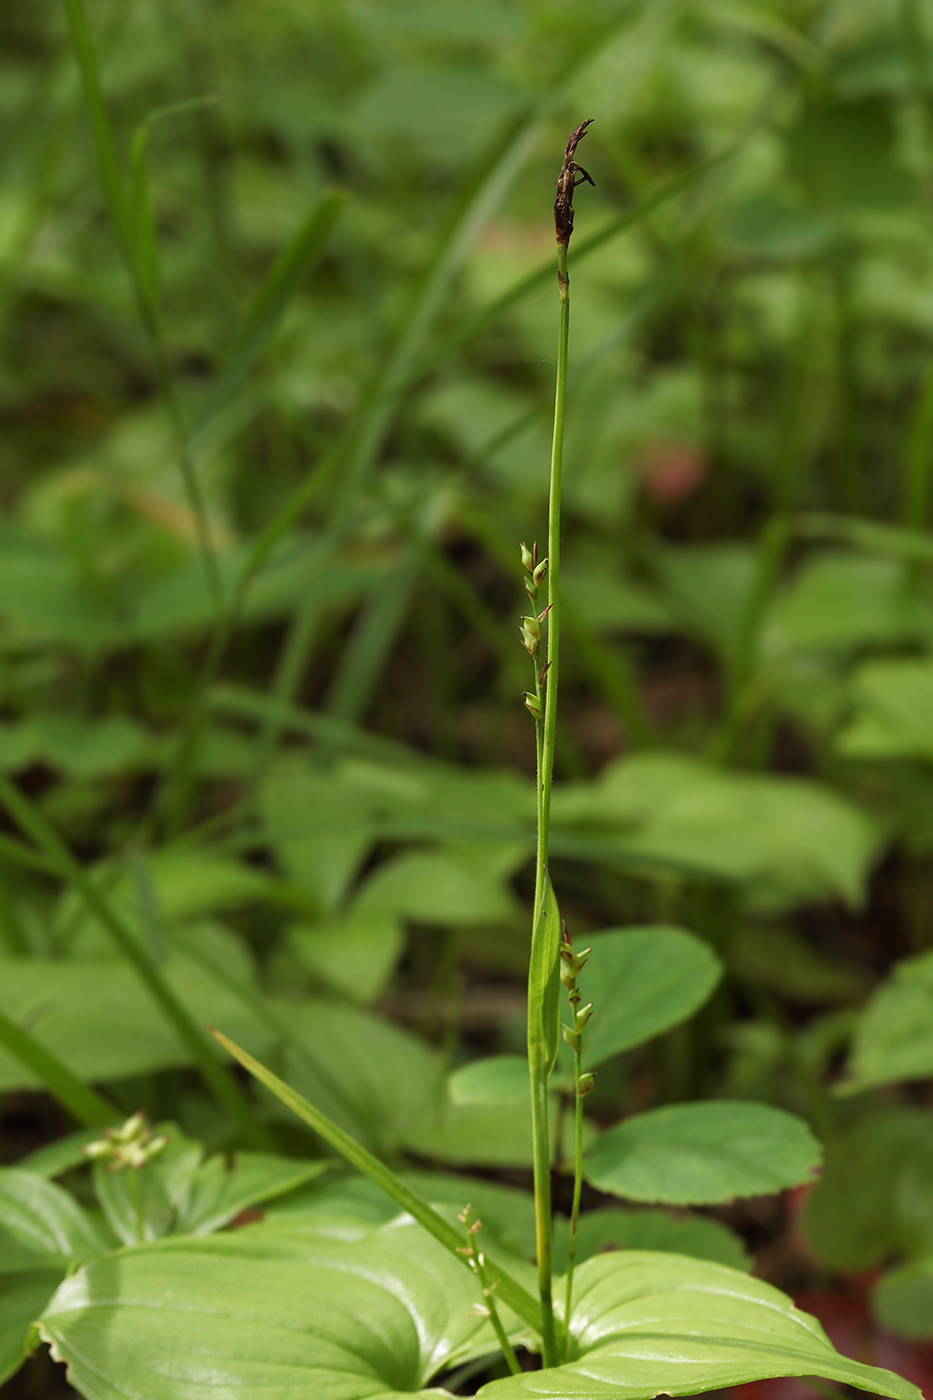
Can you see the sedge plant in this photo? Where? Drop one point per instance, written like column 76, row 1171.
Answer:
column 386, row 1312
column 544, row 967
column 539, row 630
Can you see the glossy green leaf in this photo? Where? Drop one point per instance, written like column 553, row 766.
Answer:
column 506, row 1212
column 785, row 839
column 510, row 1291
column 694, row 1235
column 22, row 1300
column 374, row 1078
column 894, row 1034
column 641, row 982
column 220, row 1192
column 699, row 1154
column 891, row 700
column 98, row 1018
column 660, row 1324
column 269, row 1310
column 356, row 955
column 874, row 1199
column 840, row 600
column 903, row 1301
column 44, row 1218
column 436, row 888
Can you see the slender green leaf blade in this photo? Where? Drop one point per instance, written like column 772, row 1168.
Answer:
column 661, row 1324
column 510, row 1292
column 83, row 1102
column 264, row 314
column 544, row 986
column 699, row 1154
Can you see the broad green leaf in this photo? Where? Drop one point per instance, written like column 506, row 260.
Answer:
column 660, row 1324
column 699, row 1154
column 356, row 955
column 787, row 962
column 504, row 1210
column 694, row 1235
column 377, row 1080
column 894, row 1034
column 435, row 888
column 220, row 1192
column 892, row 700
column 99, row 1019
column 608, row 603
column 840, row 601
column 710, row 587
column 22, row 1300
column 785, row 839
column 60, row 1156
column 320, row 825
column 269, row 1310
column 435, row 1223
column 845, row 155
column 179, row 1194
column 903, row 1301
column 487, row 1134
column 44, row 1218
column 641, row 982
column 874, row 1199
column 496, row 1080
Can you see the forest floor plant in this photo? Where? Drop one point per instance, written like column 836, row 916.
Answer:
column 347, row 1315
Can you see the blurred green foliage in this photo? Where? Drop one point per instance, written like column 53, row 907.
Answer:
column 275, row 392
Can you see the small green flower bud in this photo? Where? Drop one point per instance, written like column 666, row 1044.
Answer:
column 571, row 1036
column 532, row 627
column 98, row 1150
column 132, row 1129
column 586, row 1084
column 539, row 572
column 528, row 559
column 531, row 703
column 583, row 1015
column 530, row 589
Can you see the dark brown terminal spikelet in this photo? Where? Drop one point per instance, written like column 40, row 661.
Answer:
column 571, row 175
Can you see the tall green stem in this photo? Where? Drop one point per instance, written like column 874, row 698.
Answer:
column 544, row 969
column 540, row 1073
column 577, row 1192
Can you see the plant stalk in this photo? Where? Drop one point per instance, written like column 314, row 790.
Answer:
column 539, row 1067
column 577, row 1192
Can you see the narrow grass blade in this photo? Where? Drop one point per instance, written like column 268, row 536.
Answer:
column 228, row 1094
column 81, row 1101
column 264, row 314
column 507, row 1289
column 372, row 640
column 117, row 202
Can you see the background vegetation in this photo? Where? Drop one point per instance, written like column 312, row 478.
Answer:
column 277, row 325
